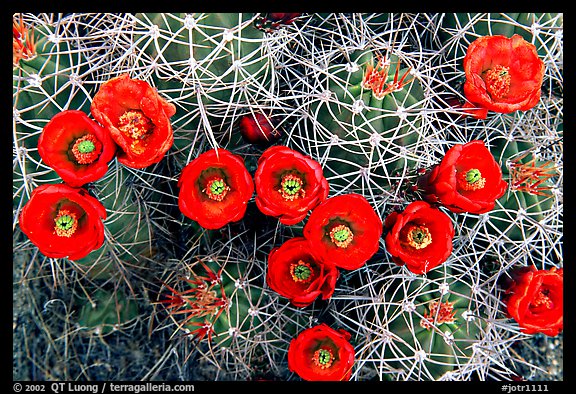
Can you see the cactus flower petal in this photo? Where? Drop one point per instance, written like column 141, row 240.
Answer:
column 288, row 184
column 535, row 300
column 443, row 184
column 435, row 245
column 57, row 147
column 356, row 214
column 138, row 119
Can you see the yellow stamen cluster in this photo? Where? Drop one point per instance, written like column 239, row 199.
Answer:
column 542, row 299
column 418, row 237
column 134, row 124
column 497, row 81
column 65, row 223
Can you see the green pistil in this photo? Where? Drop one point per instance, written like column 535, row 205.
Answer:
column 341, row 235
column 473, row 176
column 65, row 222
column 418, row 236
column 470, row 180
column 302, row 272
column 324, row 356
column 292, row 186
column 86, row 147
column 217, row 187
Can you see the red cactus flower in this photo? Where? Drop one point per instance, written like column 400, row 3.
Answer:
column 468, row 179
column 503, row 74
column 63, row 221
column 215, row 189
column 420, row 237
column 258, row 128
column 138, row 119
column 288, row 184
column 344, row 230
column 321, row 353
column 535, row 300
column 295, row 273
column 76, row 147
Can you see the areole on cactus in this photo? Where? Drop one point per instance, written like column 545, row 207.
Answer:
column 205, row 62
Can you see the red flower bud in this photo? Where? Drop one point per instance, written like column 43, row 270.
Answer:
column 257, row 128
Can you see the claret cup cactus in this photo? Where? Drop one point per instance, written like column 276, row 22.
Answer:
column 287, row 196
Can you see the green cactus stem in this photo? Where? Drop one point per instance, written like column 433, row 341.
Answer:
column 368, row 117
column 130, row 234
column 106, row 311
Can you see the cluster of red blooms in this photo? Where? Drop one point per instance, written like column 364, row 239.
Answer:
column 342, row 232
column 132, row 124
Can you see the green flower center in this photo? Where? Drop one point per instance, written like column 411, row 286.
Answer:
column 65, row 223
column 216, row 189
column 301, row 271
column 323, row 358
column 291, row 187
column 341, row 235
column 473, row 176
column 471, row 180
column 86, row 147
